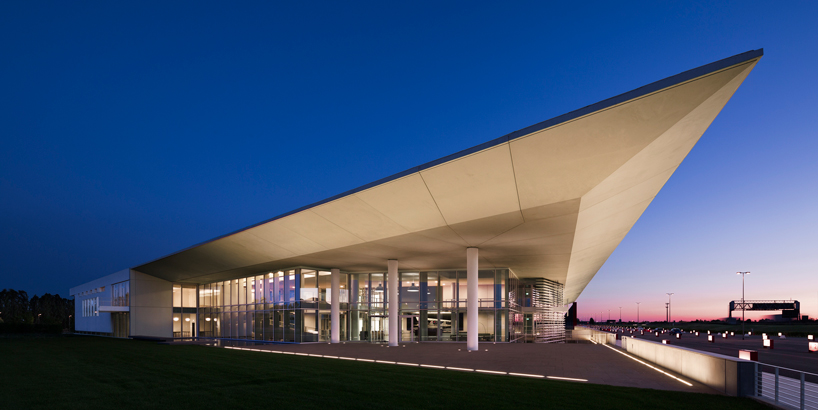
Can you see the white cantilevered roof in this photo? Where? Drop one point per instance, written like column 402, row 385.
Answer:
column 552, row 200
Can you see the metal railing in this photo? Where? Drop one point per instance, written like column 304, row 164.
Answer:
column 785, row 387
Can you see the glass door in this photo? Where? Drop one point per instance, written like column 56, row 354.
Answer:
column 409, row 326
column 324, row 325
column 379, row 328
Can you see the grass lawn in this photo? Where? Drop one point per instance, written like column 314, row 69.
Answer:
column 86, row 372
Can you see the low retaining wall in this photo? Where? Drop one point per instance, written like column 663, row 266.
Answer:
column 729, row 375
column 585, row 333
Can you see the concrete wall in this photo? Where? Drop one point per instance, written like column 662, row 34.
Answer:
column 584, row 333
column 729, row 375
column 151, row 306
column 97, row 288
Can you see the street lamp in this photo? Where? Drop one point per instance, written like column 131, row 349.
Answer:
column 620, row 314
column 637, row 312
column 743, row 307
column 668, row 307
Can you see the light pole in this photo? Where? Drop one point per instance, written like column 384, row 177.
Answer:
column 743, row 307
column 668, row 307
column 620, row 314
column 637, row 312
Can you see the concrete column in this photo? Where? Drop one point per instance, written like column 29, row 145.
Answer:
column 335, row 302
column 423, row 325
column 471, row 300
column 394, row 311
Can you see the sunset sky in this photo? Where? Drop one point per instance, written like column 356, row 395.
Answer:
column 132, row 130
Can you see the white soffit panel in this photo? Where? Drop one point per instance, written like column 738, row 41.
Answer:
column 406, row 201
column 566, row 161
column 319, row 230
column 279, row 235
column 359, row 218
column 474, row 187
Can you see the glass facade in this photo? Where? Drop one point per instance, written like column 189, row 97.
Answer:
column 184, row 310
column 535, row 314
column 294, row 306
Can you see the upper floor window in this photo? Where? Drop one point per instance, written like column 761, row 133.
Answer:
column 90, row 307
column 120, row 294
column 184, row 296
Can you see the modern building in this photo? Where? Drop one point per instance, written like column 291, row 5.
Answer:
column 492, row 243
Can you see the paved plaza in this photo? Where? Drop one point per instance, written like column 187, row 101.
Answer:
column 595, row 363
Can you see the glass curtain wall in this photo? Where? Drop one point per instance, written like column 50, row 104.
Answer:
column 294, row 305
column 185, row 310
column 433, row 306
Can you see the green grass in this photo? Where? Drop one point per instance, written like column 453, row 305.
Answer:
column 89, row 372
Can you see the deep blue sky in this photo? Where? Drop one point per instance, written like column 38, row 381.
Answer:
column 132, row 130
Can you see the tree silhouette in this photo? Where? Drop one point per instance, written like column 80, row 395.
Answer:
column 16, row 307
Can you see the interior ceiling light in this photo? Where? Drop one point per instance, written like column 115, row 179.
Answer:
column 413, row 288
column 379, row 288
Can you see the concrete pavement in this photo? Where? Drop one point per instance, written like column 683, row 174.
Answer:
column 595, row 363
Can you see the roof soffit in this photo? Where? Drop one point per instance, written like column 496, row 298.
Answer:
column 611, row 208
column 582, row 184
column 407, row 202
column 568, row 160
column 473, row 187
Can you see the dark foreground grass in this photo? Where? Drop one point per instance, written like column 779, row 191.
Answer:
column 88, row 372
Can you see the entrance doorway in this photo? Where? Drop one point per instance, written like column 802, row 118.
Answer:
column 378, row 328
column 120, row 323
column 324, row 327
column 409, row 326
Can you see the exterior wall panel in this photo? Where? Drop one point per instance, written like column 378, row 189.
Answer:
column 151, row 306
column 97, row 288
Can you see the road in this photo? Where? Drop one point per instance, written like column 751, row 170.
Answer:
column 790, row 352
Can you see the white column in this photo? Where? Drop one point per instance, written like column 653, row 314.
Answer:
column 471, row 300
column 335, row 302
column 394, row 312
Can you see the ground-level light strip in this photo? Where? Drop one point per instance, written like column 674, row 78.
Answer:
column 428, row 366
column 646, row 364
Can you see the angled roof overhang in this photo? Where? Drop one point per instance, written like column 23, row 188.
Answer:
column 552, row 200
